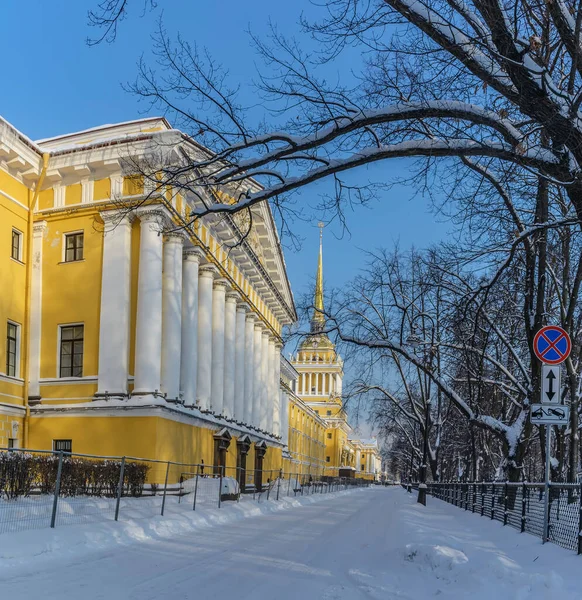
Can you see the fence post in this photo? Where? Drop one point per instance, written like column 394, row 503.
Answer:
column 120, row 487
column 506, row 489
column 288, row 484
column 482, row 499
column 279, row 483
column 57, row 489
column 165, row 488
column 524, row 492
column 220, row 484
column 492, row 501
column 196, row 487
column 474, row 496
column 580, row 520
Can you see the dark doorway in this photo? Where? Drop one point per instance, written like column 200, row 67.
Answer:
column 221, row 444
column 260, row 451
column 243, row 445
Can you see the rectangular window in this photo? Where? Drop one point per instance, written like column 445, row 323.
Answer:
column 71, row 351
column 362, row 467
column 12, row 443
column 12, row 349
column 63, row 445
column 327, row 459
column 329, row 436
column 329, row 413
column 16, row 251
column 73, row 246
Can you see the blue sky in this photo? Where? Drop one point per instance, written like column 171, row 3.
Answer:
column 53, row 83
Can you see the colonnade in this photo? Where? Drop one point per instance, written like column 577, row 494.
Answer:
column 196, row 340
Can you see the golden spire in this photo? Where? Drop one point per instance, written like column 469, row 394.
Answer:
column 318, row 316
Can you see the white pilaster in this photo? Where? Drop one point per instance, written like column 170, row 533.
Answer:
column 339, row 384
column 265, row 387
column 204, row 383
column 218, row 310
column 272, row 396
column 285, row 418
column 229, row 353
column 148, row 335
column 189, row 352
column 249, row 368
column 240, row 363
column 358, row 460
column 115, row 308
column 172, row 316
column 258, row 372
column 39, row 231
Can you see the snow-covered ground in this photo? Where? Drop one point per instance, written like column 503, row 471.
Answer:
column 373, row 543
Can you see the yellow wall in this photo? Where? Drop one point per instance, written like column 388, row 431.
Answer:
column 71, row 292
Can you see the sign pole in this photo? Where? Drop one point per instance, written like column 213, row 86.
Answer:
column 545, row 535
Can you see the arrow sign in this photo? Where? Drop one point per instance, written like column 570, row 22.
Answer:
column 550, row 384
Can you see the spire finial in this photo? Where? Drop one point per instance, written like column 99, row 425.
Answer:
column 318, row 320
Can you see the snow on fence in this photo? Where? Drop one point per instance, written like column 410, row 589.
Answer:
column 41, row 489
column 521, row 506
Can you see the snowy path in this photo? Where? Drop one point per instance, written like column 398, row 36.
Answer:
column 370, row 544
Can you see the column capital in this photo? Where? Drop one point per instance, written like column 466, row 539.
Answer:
column 153, row 215
column 174, row 237
column 220, row 283
column 242, row 307
column 115, row 218
column 258, row 326
column 208, row 271
column 39, row 228
column 193, row 253
column 251, row 316
column 267, row 333
column 232, row 296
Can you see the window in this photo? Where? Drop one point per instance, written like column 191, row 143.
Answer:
column 12, row 443
column 12, row 349
column 71, row 351
column 327, row 459
column 316, row 412
column 63, row 445
column 73, row 246
column 16, row 251
column 329, row 413
column 329, row 436
column 363, row 468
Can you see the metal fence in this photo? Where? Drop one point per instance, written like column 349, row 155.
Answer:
column 41, row 489
column 521, row 506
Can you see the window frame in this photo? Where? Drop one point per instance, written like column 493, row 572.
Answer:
column 63, row 441
column 60, row 351
column 74, row 234
column 328, row 459
column 16, row 373
column 329, row 436
column 20, row 236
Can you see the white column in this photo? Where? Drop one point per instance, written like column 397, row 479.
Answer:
column 218, row 309
column 148, row 335
column 229, row 352
column 114, row 318
column 277, row 391
column 172, row 316
column 240, row 362
column 284, row 418
column 189, row 353
column 338, row 387
column 265, row 391
column 204, row 382
column 273, row 396
column 358, row 460
column 39, row 231
column 257, row 368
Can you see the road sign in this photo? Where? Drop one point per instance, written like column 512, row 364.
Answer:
column 549, row 414
column 551, row 384
column 552, row 345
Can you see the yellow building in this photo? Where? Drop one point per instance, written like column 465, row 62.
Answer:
column 319, row 386
column 129, row 331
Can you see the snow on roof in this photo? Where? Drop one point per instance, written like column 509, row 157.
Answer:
column 104, row 133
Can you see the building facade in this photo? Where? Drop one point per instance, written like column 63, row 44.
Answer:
column 132, row 330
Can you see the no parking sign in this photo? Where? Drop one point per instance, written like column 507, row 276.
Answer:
column 552, row 345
